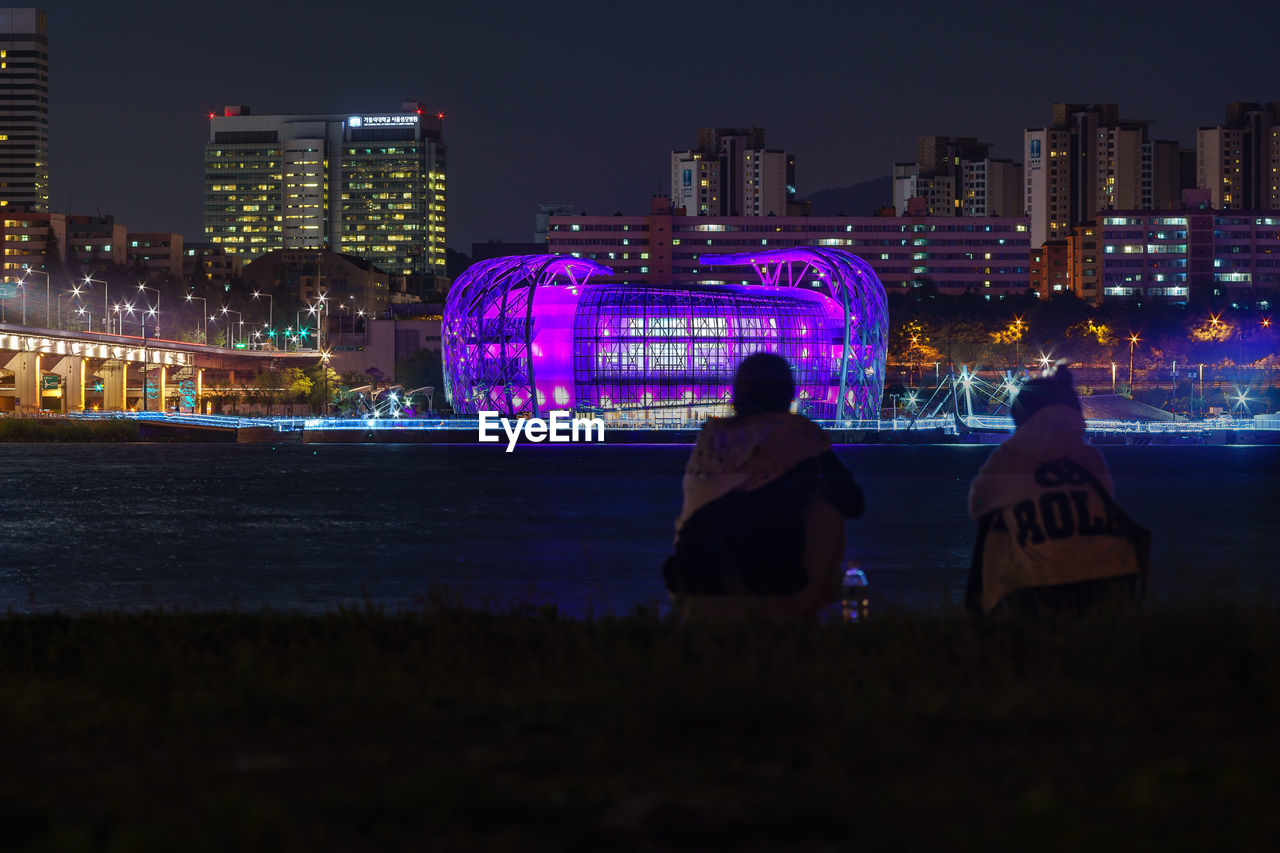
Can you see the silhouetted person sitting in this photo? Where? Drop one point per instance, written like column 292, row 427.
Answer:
column 761, row 532
column 1050, row 534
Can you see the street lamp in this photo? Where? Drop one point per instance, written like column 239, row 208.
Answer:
column 324, row 365
column 1113, row 377
column 239, row 318
column 1133, row 339
column 322, row 304
column 1017, row 341
column 155, row 312
column 106, row 289
column 1201, row 388
column 271, row 303
column 146, row 366
column 74, row 293
column 25, row 273
column 204, row 323
column 87, row 315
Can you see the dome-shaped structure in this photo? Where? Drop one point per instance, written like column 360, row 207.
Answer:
column 531, row 334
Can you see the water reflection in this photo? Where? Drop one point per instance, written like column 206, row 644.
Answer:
column 585, row 528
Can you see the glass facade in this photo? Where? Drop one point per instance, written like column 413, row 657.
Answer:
column 372, row 186
column 386, row 202
column 24, row 120
column 243, row 200
column 527, row 335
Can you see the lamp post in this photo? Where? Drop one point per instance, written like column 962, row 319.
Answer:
column 1201, row 388
column 271, row 307
column 153, row 311
column 74, row 293
column 204, row 322
column 27, row 272
column 1113, row 377
column 239, row 318
column 106, row 313
column 87, row 315
column 146, row 366
column 322, row 305
column 324, row 366
column 1017, row 342
column 1133, row 339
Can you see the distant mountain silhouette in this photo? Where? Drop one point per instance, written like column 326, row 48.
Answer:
column 864, row 199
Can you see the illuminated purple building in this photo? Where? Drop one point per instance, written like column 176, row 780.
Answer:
column 532, row 334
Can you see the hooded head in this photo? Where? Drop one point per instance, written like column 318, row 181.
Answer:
column 763, row 383
column 1051, row 390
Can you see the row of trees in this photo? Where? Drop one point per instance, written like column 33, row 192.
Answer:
column 930, row 327
column 319, row 388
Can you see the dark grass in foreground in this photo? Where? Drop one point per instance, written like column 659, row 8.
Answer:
column 454, row 728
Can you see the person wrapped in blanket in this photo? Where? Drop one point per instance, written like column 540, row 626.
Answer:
column 761, row 532
column 1050, row 534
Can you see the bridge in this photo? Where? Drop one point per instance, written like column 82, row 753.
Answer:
column 61, row 370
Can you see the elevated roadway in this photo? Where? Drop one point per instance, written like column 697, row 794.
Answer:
column 56, row 369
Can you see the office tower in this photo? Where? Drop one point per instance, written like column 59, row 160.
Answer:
column 956, row 176
column 1238, row 162
column 24, row 110
column 731, row 173
column 1089, row 160
column 364, row 184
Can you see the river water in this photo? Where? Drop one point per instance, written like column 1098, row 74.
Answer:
column 314, row 527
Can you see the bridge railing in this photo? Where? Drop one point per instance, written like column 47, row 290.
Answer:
column 945, row 424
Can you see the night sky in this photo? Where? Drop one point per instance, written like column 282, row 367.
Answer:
column 582, row 102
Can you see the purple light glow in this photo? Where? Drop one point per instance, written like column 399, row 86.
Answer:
column 518, row 338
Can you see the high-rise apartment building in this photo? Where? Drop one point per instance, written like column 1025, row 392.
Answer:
column 369, row 185
column 1089, row 160
column 956, row 176
column 1238, row 162
column 24, row 110
column 731, row 173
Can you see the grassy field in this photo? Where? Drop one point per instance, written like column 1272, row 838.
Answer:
column 452, row 728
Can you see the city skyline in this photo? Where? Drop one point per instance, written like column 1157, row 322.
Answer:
column 551, row 106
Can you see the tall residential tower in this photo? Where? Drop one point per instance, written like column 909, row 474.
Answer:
column 731, row 173
column 1089, row 160
column 1238, row 162
column 364, row 184
column 24, row 110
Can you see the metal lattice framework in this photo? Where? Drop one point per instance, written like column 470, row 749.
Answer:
column 649, row 347
column 852, row 283
column 488, row 330
column 526, row 334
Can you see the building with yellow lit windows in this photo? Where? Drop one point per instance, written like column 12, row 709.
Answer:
column 369, row 185
column 24, row 110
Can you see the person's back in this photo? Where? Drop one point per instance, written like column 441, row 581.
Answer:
column 1050, row 535
column 761, row 531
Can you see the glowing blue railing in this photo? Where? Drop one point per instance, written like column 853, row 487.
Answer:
column 946, row 423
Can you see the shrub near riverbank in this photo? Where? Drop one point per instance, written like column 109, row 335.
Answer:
column 453, row 728
column 56, row 429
